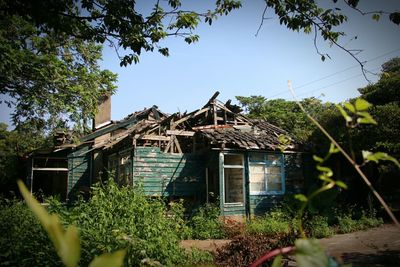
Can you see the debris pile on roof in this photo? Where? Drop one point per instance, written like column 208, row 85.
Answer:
column 219, row 125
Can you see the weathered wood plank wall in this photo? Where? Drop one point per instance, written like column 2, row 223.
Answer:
column 165, row 174
column 78, row 171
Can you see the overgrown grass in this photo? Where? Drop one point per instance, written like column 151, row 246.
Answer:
column 281, row 221
column 273, row 223
column 206, row 224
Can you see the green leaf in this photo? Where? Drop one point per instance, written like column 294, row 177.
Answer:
column 114, row 259
column 326, row 170
column 376, row 157
column 309, row 253
column 333, row 149
column 395, row 17
column 344, row 113
column 66, row 242
column 362, row 104
column 376, row 17
column 301, row 197
column 365, row 118
column 341, row 184
column 318, row 159
column 350, row 107
column 277, row 261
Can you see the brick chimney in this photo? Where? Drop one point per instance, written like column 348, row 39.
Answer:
column 103, row 115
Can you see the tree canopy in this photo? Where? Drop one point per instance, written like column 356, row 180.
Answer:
column 49, row 52
column 49, row 49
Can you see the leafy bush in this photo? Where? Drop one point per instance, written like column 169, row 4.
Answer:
column 116, row 218
column 206, row 224
column 23, row 242
column 348, row 224
column 274, row 222
column 318, row 227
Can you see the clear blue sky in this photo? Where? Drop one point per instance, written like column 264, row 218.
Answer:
column 230, row 59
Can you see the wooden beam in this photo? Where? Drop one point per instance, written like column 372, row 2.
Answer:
column 178, row 146
column 51, row 169
column 212, row 99
column 180, row 132
column 168, row 146
column 153, row 137
column 205, row 127
column 215, row 114
column 191, row 115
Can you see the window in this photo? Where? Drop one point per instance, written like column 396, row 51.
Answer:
column 266, row 174
column 119, row 166
column 233, row 178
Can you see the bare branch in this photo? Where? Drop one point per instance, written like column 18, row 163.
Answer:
column 365, row 13
column 347, row 156
column 262, row 20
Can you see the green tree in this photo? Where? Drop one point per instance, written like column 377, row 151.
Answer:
column 122, row 24
column 50, row 79
column 49, row 51
column 285, row 114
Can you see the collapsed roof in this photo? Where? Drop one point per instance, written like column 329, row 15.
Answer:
column 216, row 124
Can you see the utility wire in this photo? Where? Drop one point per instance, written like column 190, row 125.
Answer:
column 335, row 83
column 335, row 73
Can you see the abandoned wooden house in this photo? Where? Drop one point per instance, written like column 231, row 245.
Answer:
column 213, row 151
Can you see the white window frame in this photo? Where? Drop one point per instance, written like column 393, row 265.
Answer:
column 266, row 163
column 226, row 166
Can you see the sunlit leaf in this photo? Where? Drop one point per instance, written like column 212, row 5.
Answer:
column 333, row 149
column 66, row 242
column 318, row 159
column 326, row 170
column 350, row 107
column 376, row 17
column 309, row 253
column 277, row 261
column 376, row 157
column 344, row 114
column 114, row 259
column 301, row 197
column 362, row 104
column 365, row 118
column 341, row 184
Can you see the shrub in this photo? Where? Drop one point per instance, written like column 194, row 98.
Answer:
column 318, row 227
column 205, row 223
column 274, row 222
column 347, row 222
column 116, row 218
column 23, row 241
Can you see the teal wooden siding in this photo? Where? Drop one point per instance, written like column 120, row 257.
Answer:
column 165, row 174
column 78, row 171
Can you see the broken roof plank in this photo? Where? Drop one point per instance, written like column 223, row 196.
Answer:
column 180, row 132
column 191, row 115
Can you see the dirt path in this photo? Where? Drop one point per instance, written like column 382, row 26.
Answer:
column 374, row 247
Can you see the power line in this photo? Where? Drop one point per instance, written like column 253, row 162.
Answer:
column 335, row 83
column 335, row 73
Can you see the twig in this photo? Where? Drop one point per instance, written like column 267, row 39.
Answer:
column 262, row 20
column 347, row 156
